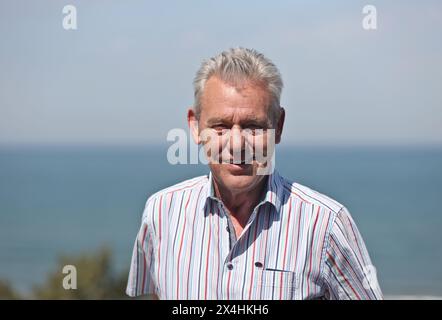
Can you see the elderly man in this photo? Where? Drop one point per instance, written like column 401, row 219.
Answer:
column 238, row 233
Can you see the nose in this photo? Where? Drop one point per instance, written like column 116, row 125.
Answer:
column 237, row 144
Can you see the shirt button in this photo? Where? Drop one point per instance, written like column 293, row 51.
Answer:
column 230, row 266
column 258, row 264
column 228, row 229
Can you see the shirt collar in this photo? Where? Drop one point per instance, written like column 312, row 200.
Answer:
column 273, row 193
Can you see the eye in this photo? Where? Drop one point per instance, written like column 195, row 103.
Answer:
column 256, row 129
column 220, row 128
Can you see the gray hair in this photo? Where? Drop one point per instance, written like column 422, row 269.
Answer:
column 235, row 66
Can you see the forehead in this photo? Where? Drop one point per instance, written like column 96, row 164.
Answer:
column 245, row 100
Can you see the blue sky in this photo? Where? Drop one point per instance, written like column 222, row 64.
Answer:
column 125, row 76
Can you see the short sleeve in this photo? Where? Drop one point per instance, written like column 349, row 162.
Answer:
column 140, row 280
column 348, row 271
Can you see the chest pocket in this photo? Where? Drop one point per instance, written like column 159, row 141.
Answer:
column 277, row 284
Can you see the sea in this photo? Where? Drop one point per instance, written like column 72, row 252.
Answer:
column 69, row 200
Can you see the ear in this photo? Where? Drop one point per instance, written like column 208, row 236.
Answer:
column 280, row 126
column 192, row 121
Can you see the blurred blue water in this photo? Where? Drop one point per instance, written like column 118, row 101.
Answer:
column 67, row 200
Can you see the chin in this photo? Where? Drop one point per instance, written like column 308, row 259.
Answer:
column 235, row 177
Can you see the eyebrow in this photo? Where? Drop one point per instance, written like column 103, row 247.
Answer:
column 251, row 120
column 212, row 121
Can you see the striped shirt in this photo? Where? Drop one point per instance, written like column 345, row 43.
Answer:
column 297, row 244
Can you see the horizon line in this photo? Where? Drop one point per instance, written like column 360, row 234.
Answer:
column 434, row 145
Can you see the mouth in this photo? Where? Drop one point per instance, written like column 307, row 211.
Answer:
column 243, row 162
column 238, row 168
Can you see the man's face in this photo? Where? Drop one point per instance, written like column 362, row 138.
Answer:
column 237, row 119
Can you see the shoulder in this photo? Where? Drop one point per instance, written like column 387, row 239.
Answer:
column 311, row 196
column 157, row 200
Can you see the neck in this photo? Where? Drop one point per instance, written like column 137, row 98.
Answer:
column 240, row 203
